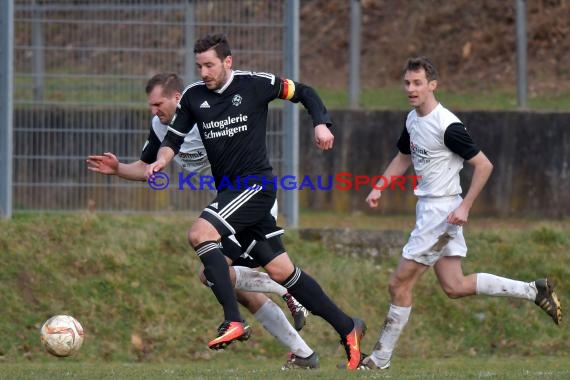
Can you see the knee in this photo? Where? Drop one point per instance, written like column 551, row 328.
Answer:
column 280, row 268
column 400, row 291
column 453, row 291
column 251, row 301
column 243, row 299
column 202, row 231
column 279, row 274
column 395, row 287
column 194, row 237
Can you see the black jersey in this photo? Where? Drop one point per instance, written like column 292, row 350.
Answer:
column 232, row 120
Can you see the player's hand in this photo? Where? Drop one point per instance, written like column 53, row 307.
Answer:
column 458, row 216
column 373, row 198
column 323, row 137
column 156, row 166
column 108, row 163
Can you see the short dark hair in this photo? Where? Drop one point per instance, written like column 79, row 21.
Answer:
column 218, row 42
column 170, row 82
column 418, row 63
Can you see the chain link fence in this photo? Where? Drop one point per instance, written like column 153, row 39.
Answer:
column 79, row 74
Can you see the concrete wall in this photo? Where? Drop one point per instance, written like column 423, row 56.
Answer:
column 530, row 152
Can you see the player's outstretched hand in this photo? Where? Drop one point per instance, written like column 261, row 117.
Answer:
column 373, row 198
column 107, row 163
column 323, row 137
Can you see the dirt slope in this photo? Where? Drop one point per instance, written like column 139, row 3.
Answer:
column 472, row 42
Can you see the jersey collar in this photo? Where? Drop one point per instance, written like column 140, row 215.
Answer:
column 228, row 82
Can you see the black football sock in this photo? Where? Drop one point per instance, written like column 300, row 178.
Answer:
column 218, row 277
column 310, row 294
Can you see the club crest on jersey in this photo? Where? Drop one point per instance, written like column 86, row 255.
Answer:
column 236, row 100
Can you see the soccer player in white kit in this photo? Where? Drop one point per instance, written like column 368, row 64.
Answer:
column 164, row 91
column 436, row 143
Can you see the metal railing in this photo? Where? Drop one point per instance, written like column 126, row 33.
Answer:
column 79, row 76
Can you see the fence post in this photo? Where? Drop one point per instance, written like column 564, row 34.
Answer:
column 291, row 112
column 38, row 52
column 189, row 36
column 354, row 54
column 521, row 54
column 6, row 106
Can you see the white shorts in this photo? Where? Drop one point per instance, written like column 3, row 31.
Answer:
column 432, row 237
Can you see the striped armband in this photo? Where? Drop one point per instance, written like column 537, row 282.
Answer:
column 287, row 89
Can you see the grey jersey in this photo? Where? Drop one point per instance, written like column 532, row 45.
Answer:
column 192, row 155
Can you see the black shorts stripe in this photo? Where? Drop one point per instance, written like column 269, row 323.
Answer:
column 239, row 201
column 222, row 220
column 276, row 233
column 250, row 247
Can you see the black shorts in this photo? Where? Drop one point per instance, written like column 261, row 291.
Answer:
column 247, row 215
column 248, row 262
column 233, row 250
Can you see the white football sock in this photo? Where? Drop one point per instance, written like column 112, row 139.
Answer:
column 491, row 285
column 254, row 281
column 274, row 321
column 394, row 323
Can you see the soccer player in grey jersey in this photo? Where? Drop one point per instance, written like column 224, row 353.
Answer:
column 164, row 91
column 229, row 108
column 436, row 143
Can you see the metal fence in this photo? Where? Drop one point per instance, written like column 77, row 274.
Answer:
column 79, row 73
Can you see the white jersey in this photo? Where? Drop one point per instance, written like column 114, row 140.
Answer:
column 437, row 165
column 192, row 155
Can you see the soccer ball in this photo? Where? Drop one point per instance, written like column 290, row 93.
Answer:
column 62, row 335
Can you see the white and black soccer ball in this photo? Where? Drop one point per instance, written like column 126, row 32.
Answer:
column 62, row 335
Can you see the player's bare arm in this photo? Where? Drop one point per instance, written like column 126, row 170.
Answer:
column 397, row 167
column 109, row 164
column 482, row 169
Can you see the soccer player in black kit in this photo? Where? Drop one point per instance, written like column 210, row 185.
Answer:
column 229, row 107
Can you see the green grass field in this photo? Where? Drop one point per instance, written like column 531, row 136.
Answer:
column 126, row 276
column 237, row 367
column 394, row 98
column 121, row 92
